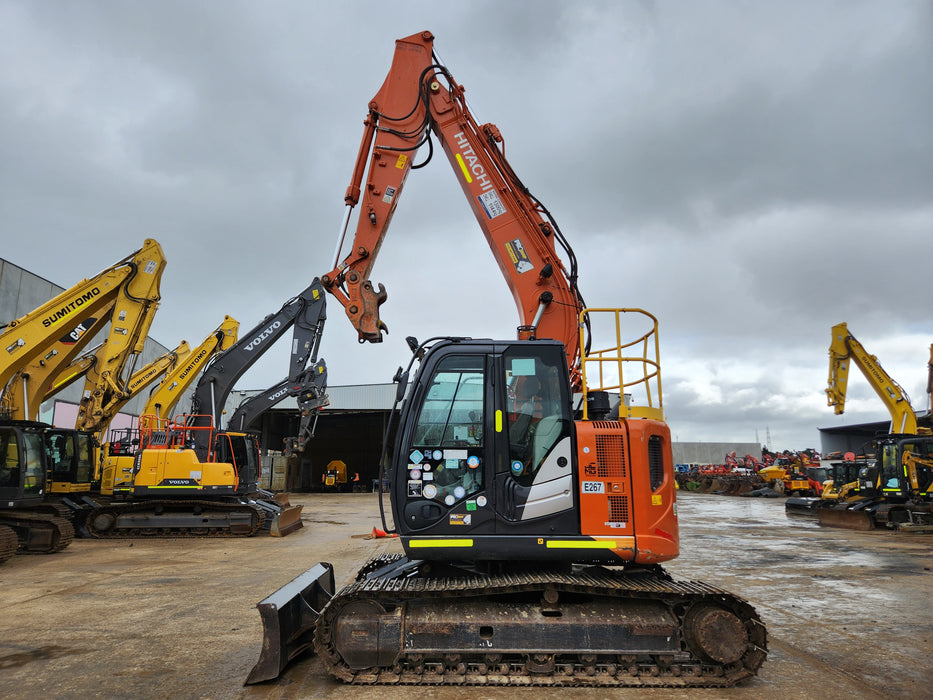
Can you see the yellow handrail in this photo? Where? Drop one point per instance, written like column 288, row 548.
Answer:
column 634, row 361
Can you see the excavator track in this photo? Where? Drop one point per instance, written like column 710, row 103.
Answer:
column 9, row 543
column 38, row 532
column 168, row 518
column 593, row 628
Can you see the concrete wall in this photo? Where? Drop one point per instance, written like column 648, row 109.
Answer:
column 21, row 292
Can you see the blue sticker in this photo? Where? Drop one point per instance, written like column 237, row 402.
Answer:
column 452, row 463
column 416, row 457
column 517, row 467
column 437, row 454
column 473, row 462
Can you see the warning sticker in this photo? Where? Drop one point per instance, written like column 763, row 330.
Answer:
column 460, row 518
column 519, row 256
column 491, row 204
column 389, row 195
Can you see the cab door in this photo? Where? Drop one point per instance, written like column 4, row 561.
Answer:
column 534, row 465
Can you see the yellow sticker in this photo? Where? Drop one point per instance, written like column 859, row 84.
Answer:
column 463, row 167
column 402, row 160
column 656, row 499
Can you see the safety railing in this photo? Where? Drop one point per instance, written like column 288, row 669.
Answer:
column 629, row 365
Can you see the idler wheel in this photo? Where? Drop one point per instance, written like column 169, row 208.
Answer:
column 715, row 634
column 104, row 522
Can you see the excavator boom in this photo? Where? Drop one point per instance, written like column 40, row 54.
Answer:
column 166, row 395
column 420, row 99
column 843, row 349
column 217, row 381
column 122, row 292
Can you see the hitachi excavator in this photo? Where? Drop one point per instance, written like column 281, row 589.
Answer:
column 193, row 478
column 533, row 524
column 36, row 345
column 895, row 489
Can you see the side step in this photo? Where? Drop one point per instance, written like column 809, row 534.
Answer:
column 288, row 619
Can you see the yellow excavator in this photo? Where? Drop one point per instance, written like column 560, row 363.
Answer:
column 125, row 294
column 193, row 477
column 118, row 459
column 892, row 489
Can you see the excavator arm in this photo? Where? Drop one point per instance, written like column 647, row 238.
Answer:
column 306, row 311
column 138, row 381
column 105, row 389
column 420, row 99
column 310, row 390
column 80, row 311
column 53, row 370
column 307, row 375
column 166, row 395
column 843, row 349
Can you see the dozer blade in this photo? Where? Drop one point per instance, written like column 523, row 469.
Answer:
column 846, row 518
column 288, row 619
column 286, row 522
column 282, row 499
column 801, row 505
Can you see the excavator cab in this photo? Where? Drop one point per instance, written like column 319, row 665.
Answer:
column 71, row 459
column 907, row 467
column 484, row 449
column 23, row 465
column 26, row 522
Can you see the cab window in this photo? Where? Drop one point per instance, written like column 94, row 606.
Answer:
column 445, row 455
column 538, row 414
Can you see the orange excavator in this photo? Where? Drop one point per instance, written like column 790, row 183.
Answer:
column 534, row 510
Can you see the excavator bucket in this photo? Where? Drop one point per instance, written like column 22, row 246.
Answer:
column 286, row 522
column 846, row 518
column 288, row 619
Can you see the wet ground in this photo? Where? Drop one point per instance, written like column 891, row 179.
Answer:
column 848, row 613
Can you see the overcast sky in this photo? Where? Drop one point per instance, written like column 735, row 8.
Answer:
column 750, row 172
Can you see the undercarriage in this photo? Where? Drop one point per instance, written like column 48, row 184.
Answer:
column 35, row 531
column 401, row 623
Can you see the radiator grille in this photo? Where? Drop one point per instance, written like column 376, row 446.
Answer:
column 655, row 462
column 618, row 509
column 610, row 457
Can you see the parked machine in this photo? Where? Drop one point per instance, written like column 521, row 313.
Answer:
column 534, row 511
column 191, row 477
column 892, row 489
column 37, row 345
column 119, row 455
